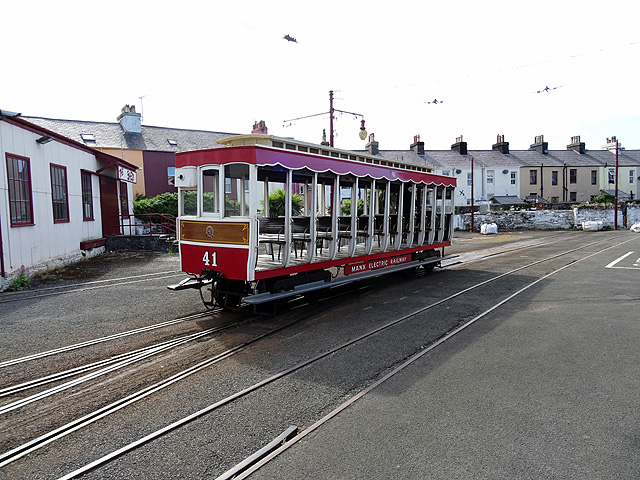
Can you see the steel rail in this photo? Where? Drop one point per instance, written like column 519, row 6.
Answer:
column 80, row 284
column 135, row 354
column 31, row 297
column 183, row 421
column 131, row 359
column 247, row 472
column 108, row 338
column 33, row 445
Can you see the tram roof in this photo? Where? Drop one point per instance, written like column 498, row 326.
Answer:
column 326, row 158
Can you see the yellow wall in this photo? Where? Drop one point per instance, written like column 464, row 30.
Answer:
column 134, row 157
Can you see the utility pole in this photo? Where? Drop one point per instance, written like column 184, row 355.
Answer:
column 331, row 112
column 331, row 118
column 471, row 194
column 615, row 197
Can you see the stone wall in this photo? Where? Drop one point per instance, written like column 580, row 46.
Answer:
column 548, row 219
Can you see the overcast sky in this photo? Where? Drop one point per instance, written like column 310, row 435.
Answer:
column 221, row 66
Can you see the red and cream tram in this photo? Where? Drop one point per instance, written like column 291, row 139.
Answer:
column 342, row 216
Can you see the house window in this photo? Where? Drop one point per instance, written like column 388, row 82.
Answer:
column 20, row 197
column 87, row 196
column 171, row 175
column 124, row 200
column 469, row 180
column 446, row 173
column 554, row 177
column 59, row 195
column 594, row 177
column 533, row 177
column 490, row 176
column 573, row 196
column 513, row 178
column 612, row 175
column 573, row 175
column 555, row 199
column 632, row 176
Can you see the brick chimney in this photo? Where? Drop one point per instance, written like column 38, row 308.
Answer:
column 417, row 146
column 576, row 145
column 500, row 145
column 540, row 145
column 260, row 127
column 460, row 146
column 372, row 146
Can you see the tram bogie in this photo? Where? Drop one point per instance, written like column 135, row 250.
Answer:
column 268, row 217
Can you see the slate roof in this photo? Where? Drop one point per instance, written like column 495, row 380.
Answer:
column 111, row 135
column 507, row 200
column 451, row 159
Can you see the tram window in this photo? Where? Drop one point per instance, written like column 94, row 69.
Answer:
column 189, row 203
column 236, row 195
column 210, row 186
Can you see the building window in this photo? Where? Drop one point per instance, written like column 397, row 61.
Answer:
column 513, row 178
column 573, row 175
column 490, row 176
column 59, row 195
column 124, row 200
column 87, row 196
column 171, row 175
column 533, row 177
column 632, row 176
column 469, row 180
column 227, row 185
column 446, row 173
column 594, row 177
column 573, row 196
column 612, row 175
column 555, row 199
column 554, row 177
column 20, row 197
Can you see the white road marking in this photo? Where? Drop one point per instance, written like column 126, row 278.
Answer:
column 612, row 264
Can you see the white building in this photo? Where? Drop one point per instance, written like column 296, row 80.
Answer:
column 58, row 198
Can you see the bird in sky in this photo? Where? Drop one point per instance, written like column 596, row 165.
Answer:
column 547, row 89
column 289, row 38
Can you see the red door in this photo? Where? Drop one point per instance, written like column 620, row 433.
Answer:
column 109, row 206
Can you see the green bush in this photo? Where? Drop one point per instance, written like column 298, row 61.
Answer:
column 277, row 203
column 346, row 207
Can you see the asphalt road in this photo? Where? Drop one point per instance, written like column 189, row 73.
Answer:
column 543, row 386
column 546, row 386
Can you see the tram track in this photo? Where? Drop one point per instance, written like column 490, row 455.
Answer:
column 25, row 295
column 35, row 444
column 295, row 368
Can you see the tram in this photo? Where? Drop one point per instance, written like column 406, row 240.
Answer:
column 266, row 218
